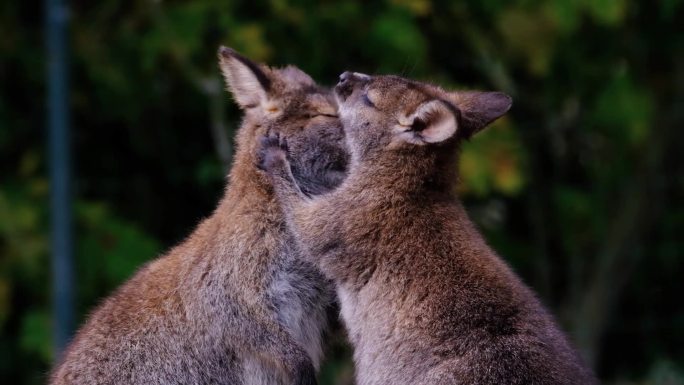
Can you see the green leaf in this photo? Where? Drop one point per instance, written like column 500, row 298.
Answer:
column 608, row 12
column 529, row 35
column 493, row 161
column 624, row 109
column 396, row 37
column 35, row 334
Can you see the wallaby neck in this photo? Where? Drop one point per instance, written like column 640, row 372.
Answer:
column 408, row 171
column 245, row 181
column 248, row 194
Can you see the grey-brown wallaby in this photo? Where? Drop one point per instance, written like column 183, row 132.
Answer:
column 233, row 303
column 425, row 300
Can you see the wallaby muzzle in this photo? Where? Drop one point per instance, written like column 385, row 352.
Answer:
column 348, row 81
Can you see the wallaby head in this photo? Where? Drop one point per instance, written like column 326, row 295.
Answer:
column 288, row 100
column 383, row 113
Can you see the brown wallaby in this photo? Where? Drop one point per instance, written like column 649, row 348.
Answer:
column 234, row 303
column 424, row 298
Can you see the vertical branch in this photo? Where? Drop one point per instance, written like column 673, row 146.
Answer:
column 616, row 259
column 211, row 86
column 542, row 268
column 641, row 207
column 537, row 200
column 60, row 178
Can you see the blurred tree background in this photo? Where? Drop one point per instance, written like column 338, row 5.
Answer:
column 580, row 187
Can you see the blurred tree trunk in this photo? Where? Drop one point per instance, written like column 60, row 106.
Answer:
column 617, row 257
column 641, row 208
column 212, row 88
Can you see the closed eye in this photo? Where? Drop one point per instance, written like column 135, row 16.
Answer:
column 315, row 115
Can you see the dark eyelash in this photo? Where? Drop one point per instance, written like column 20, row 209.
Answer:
column 311, row 116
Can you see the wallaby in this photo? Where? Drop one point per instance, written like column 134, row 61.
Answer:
column 233, row 303
column 425, row 300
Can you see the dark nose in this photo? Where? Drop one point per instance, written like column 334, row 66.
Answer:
column 353, row 77
column 348, row 82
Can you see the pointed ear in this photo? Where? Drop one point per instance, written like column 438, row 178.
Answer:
column 479, row 109
column 248, row 81
column 295, row 77
column 433, row 121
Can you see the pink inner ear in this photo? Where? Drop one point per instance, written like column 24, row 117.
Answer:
column 248, row 81
column 440, row 130
column 439, row 122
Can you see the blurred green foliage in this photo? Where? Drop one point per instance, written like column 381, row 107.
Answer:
column 579, row 187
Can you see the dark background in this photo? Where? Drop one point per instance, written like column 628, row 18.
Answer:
column 579, row 188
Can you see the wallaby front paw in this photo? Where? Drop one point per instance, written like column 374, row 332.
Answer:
column 272, row 152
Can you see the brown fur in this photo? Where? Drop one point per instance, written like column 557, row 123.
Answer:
column 232, row 304
column 424, row 298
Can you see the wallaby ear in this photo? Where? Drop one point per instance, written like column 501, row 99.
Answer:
column 478, row 109
column 432, row 122
column 248, row 81
column 295, row 77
